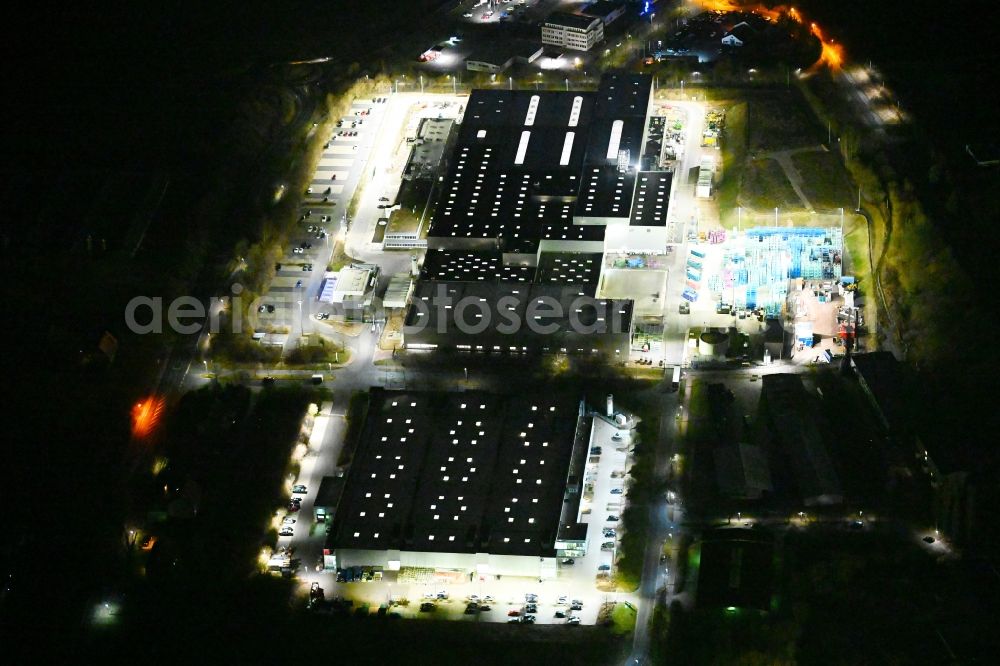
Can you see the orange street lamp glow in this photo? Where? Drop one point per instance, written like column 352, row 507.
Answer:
column 146, row 416
column 831, row 55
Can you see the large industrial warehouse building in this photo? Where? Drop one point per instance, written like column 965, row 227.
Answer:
column 540, row 188
column 463, row 484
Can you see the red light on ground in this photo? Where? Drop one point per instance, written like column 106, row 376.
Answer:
column 146, row 416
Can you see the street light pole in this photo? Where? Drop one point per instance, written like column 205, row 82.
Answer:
column 775, row 216
column 421, row 84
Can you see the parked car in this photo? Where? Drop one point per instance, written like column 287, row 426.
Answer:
column 616, row 491
column 613, row 518
column 573, row 620
column 568, row 561
column 299, row 488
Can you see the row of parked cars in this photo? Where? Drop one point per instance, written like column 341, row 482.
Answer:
column 358, row 574
column 294, row 505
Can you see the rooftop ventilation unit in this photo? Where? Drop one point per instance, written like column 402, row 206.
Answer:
column 624, row 157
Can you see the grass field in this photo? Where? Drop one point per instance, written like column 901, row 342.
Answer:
column 780, row 121
column 824, row 181
column 622, row 619
column 765, row 187
column 734, row 153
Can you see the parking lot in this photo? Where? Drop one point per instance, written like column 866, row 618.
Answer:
column 290, row 303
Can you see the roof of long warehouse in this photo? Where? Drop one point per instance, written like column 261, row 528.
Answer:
column 566, row 268
column 458, row 472
column 516, row 174
column 651, row 200
column 513, row 317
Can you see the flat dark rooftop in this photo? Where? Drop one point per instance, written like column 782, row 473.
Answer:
column 563, row 317
column 623, row 95
column 458, row 472
column 568, row 20
column 465, row 266
column 554, row 268
column 605, row 192
column 602, row 8
column 500, row 51
column 736, row 569
column 525, row 162
column 798, row 442
column 555, row 220
column 569, row 268
column 651, row 200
